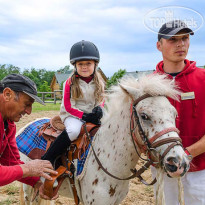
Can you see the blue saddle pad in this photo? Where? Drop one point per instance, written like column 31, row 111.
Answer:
column 30, row 138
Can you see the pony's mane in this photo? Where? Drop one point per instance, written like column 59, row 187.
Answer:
column 154, row 84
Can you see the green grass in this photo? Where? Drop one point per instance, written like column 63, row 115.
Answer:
column 49, row 106
column 10, row 189
column 8, row 201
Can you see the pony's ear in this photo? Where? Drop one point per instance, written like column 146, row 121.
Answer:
column 132, row 92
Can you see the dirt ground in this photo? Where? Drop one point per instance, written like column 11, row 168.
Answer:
column 139, row 194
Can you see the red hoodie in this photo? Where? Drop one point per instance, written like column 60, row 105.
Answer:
column 9, row 157
column 191, row 112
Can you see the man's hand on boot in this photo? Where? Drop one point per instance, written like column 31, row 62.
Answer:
column 38, row 168
column 39, row 189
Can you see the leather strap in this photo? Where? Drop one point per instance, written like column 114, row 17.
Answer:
column 75, row 195
column 82, row 147
column 166, row 141
column 48, row 144
column 48, row 184
column 170, row 147
column 146, row 183
column 141, row 98
column 165, row 131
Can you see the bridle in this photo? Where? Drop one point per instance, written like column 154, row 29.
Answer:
column 149, row 146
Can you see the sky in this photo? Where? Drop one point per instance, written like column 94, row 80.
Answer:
column 40, row 33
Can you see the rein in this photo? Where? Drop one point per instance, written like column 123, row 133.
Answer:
column 149, row 145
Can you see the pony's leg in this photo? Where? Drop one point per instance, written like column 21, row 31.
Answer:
column 97, row 199
column 101, row 189
column 26, row 194
column 22, row 199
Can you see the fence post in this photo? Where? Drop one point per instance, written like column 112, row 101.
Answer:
column 43, row 97
column 54, row 97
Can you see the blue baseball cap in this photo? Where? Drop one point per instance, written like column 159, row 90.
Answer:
column 171, row 28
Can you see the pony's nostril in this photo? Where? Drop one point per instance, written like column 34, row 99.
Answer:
column 173, row 160
column 171, row 164
column 170, row 167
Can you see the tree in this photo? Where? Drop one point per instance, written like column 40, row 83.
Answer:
column 66, row 69
column 47, row 76
column 34, row 75
column 39, row 76
column 115, row 78
column 45, row 87
column 3, row 71
column 7, row 69
column 12, row 69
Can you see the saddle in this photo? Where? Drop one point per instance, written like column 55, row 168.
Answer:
column 50, row 131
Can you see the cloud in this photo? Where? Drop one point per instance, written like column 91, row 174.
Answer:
column 130, row 61
column 40, row 33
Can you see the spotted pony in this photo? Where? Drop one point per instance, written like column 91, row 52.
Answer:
column 131, row 125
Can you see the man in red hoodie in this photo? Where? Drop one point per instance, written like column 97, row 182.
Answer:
column 173, row 43
column 17, row 94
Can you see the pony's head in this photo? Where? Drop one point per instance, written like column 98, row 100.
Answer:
column 153, row 122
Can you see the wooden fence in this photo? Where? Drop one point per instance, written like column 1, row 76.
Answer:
column 55, row 96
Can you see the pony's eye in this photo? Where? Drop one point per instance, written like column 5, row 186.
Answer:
column 144, row 116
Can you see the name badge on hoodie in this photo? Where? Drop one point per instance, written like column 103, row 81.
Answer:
column 187, row 96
